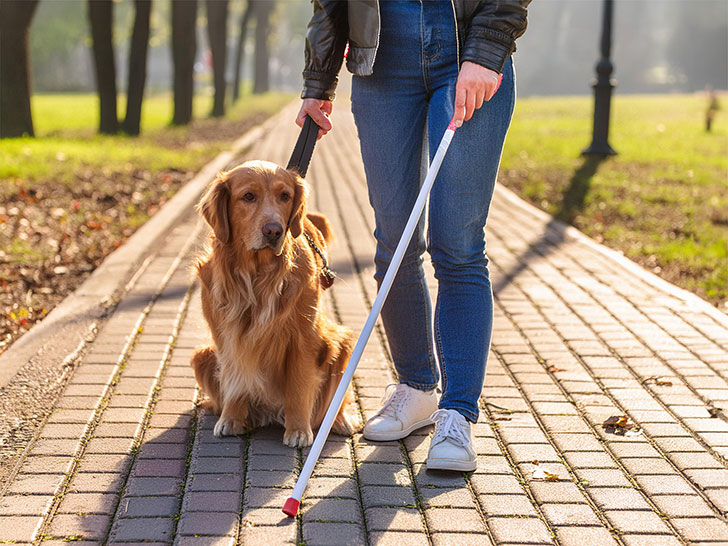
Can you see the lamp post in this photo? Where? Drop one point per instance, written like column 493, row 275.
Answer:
column 603, row 90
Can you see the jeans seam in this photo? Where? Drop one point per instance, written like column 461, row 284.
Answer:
column 438, row 341
column 430, row 350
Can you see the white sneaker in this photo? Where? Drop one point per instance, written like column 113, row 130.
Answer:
column 451, row 447
column 406, row 410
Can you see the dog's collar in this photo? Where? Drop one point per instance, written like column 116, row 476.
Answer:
column 327, row 275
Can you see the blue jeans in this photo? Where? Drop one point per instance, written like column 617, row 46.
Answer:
column 401, row 112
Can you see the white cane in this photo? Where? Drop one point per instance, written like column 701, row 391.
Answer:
column 290, row 508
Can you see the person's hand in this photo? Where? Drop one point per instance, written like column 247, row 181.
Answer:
column 319, row 110
column 475, row 85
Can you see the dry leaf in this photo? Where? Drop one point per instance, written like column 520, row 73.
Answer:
column 554, row 369
column 621, row 425
column 655, row 379
column 540, row 473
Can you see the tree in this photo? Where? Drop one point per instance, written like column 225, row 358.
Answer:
column 263, row 10
column 184, row 48
column 217, row 14
column 15, row 115
column 240, row 50
column 100, row 14
column 137, row 66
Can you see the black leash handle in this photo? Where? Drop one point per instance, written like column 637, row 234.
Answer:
column 302, row 152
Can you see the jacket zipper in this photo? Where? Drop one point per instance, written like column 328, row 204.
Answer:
column 457, row 36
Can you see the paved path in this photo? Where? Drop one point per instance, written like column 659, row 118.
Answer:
column 579, row 337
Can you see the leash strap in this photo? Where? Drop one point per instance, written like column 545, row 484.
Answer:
column 302, row 152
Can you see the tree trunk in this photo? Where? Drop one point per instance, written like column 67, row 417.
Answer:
column 15, row 116
column 240, row 50
column 263, row 10
column 184, row 45
column 100, row 14
column 217, row 12
column 137, row 66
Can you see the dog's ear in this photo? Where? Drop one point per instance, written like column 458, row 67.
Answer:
column 298, row 212
column 214, row 208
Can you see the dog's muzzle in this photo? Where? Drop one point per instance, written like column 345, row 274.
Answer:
column 272, row 232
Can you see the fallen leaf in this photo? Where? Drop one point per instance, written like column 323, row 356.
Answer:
column 540, row 473
column 621, row 425
column 655, row 379
column 554, row 369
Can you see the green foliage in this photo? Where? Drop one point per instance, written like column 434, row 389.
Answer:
column 663, row 200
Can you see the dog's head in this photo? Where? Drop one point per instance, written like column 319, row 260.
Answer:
column 255, row 205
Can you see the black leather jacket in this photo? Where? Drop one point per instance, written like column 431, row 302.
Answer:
column 487, row 31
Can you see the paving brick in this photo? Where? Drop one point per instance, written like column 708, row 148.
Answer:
column 332, row 510
column 545, row 492
column 634, row 521
column 24, row 505
column 146, row 487
column 580, row 536
column 63, row 430
column 106, row 446
column 460, row 539
column 377, row 495
column 159, row 506
column 143, row 529
column 379, row 453
column 398, row 538
column 96, row 482
column 520, row 530
column 444, row 497
column 286, row 534
column 265, row 516
column 163, row 451
column 58, row 448
column 333, row 534
column 507, row 505
column 90, row 503
column 159, row 467
column 208, row 523
column 524, row 453
column 617, row 498
column 496, row 484
column 650, row 540
column 116, row 430
column 401, row 519
column 105, row 463
column 683, row 505
column 602, row 477
column 227, row 465
column 255, row 497
column 665, row 485
column 265, row 478
column 331, row 487
column 39, row 484
column 91, row 527
column 455, row 520
column 384, row 474
column 569, row 514
column 702, row 529
column 18, row 528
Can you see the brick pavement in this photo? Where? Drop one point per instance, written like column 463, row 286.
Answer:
column 128, row 457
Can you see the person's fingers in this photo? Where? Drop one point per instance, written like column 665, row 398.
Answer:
column 480, row 98
column 320, row 118
column 470, row 98
column 460, row 102
column 301, row 116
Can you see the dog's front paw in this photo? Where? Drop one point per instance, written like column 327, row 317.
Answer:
column 346, row 424
column 298, row 438
column 226, row 426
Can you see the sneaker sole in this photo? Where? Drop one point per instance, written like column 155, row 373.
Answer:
column 397, row 435
column 451, row 464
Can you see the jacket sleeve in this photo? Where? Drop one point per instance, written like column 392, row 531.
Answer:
column 493, row 31
column 326, row 39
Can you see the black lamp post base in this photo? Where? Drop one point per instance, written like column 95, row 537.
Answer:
column 599, row 148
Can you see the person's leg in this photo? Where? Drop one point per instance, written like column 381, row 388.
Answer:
column 390, row 109
column 458, row 211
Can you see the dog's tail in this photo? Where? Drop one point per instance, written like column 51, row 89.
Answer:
column 204, row 364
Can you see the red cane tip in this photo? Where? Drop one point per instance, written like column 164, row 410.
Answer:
column 290, row 507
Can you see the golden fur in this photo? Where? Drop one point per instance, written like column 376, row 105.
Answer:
column 275, row 356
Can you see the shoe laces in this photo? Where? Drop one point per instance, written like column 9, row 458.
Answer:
column 395, row 395
column 451, row 425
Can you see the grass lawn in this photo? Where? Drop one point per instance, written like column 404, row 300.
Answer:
column 662, row 201
column 69, row 197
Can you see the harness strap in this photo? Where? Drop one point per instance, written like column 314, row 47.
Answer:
column 327, row 275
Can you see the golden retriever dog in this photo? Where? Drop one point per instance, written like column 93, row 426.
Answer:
column 275, row 356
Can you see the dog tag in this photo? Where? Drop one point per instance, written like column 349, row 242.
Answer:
column 327, row 277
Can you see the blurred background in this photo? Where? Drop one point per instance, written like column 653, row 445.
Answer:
column 659, row 45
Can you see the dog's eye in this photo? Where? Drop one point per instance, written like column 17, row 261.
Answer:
column 249, row 197
column 285, row 197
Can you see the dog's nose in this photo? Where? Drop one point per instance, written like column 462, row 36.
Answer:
column 272, row 231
